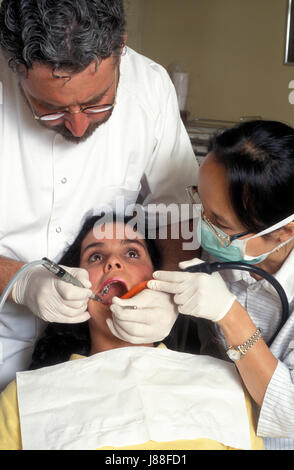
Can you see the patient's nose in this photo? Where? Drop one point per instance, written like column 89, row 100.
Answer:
column 113, row 263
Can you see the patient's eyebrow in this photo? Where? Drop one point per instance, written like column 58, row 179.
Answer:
column 136, row 241
column 92, row 245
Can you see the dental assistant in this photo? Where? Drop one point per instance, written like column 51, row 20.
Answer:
column 85, row 124
column 246, row 186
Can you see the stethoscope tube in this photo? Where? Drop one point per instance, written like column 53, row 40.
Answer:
column 210, row 268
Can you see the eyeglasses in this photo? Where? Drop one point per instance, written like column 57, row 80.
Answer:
column 83, row 109
column 224, row 239
column 94, row 109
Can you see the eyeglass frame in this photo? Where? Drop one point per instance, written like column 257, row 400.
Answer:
column 82, row 109
column 224, row 241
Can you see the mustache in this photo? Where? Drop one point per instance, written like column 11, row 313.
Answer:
column 66, row 133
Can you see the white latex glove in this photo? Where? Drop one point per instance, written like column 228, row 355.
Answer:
column 151, row 321
column 52, row 299
column 197, row 294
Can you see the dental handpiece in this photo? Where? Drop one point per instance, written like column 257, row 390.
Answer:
column 66, row 276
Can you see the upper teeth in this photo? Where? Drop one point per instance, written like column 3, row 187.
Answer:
column 105, row 289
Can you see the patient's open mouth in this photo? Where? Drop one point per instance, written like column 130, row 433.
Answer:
column 112, row 288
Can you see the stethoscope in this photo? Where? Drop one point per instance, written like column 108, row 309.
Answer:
column 210, row 268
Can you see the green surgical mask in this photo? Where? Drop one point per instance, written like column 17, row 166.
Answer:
column 236, row 251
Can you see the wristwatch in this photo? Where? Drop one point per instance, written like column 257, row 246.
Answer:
column 236, row 353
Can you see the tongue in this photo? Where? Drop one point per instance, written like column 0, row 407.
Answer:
column 115, row 289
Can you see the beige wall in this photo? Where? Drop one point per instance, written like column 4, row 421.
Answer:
column 232, row 49
column 134, row 8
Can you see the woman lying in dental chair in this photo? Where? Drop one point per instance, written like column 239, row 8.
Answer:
column 105, row 393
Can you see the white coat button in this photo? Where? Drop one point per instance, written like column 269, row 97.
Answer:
column 58, row 229
column 64, row 180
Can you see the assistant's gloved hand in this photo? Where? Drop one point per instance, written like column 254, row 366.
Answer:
column 52, row 299
column 152, row 320
column 197, row 294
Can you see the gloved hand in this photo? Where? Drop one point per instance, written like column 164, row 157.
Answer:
column 197, row 294
column 151, row 321
column 52, row 299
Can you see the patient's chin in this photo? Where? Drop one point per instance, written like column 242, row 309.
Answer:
column 99, row 313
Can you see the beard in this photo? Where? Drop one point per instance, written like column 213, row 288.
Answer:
column 67, row 135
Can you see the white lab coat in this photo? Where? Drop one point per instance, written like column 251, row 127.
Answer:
column 48, row 185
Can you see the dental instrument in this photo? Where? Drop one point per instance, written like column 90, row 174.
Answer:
column 65, row 276
column 134, row 291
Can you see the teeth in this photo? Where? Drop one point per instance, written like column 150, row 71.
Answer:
column 105, row 289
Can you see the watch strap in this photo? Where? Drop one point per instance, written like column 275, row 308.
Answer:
column 244, row 347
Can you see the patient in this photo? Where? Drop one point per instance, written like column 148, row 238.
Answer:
column 119, row 263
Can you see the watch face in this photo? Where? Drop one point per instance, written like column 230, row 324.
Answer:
column 234, row 354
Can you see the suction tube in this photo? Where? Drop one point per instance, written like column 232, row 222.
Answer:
column 210, row 268
column 19, row 273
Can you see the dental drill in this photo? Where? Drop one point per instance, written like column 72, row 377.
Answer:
column 65, row 276
column 54, row 269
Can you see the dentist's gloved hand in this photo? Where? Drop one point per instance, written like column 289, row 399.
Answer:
column 52, row 299
column 197, row 294
column 152, row 320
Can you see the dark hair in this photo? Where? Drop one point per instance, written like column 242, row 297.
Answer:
column 60, row 340
column 259, row 161
column 67, row 34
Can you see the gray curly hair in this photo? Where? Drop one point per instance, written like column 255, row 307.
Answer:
column 65, row 34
